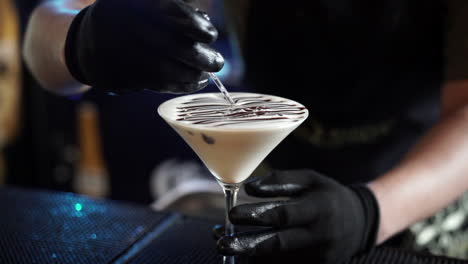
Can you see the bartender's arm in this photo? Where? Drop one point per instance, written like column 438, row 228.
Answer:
column 44, row 45
column 435, row 172
column 120, row 45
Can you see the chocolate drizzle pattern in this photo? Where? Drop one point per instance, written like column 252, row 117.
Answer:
column 210, row 111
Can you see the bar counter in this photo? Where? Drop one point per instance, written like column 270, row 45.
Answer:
column 39, row 226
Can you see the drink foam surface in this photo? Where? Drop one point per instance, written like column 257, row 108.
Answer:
column 250, row 111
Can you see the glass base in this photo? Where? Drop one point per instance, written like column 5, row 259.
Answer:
column 229, row 260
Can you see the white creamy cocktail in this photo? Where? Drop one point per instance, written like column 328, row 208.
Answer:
column 232, row 139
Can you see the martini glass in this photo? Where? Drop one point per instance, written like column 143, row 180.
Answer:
column 232, row 139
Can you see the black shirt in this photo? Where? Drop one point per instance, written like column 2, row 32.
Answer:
column 368, row 71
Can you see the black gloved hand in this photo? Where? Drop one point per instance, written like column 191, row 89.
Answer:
column 131, row 45
column 323, row 220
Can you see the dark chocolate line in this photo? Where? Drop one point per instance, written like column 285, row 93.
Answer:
column 247, row 109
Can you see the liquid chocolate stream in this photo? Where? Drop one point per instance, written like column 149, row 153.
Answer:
column 205, row 110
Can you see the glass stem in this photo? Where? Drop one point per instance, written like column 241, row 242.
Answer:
column 230, row 194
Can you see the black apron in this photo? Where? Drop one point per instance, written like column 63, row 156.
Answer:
column 369, row 72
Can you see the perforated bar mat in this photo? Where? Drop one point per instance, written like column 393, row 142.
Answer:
column 188, row 240
column 47, row 227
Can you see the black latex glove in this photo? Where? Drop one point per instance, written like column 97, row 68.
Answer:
column 131, row 45
column 323, row 219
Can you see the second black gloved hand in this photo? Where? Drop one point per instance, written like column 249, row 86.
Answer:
column 325, row 220
column 131, row 45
